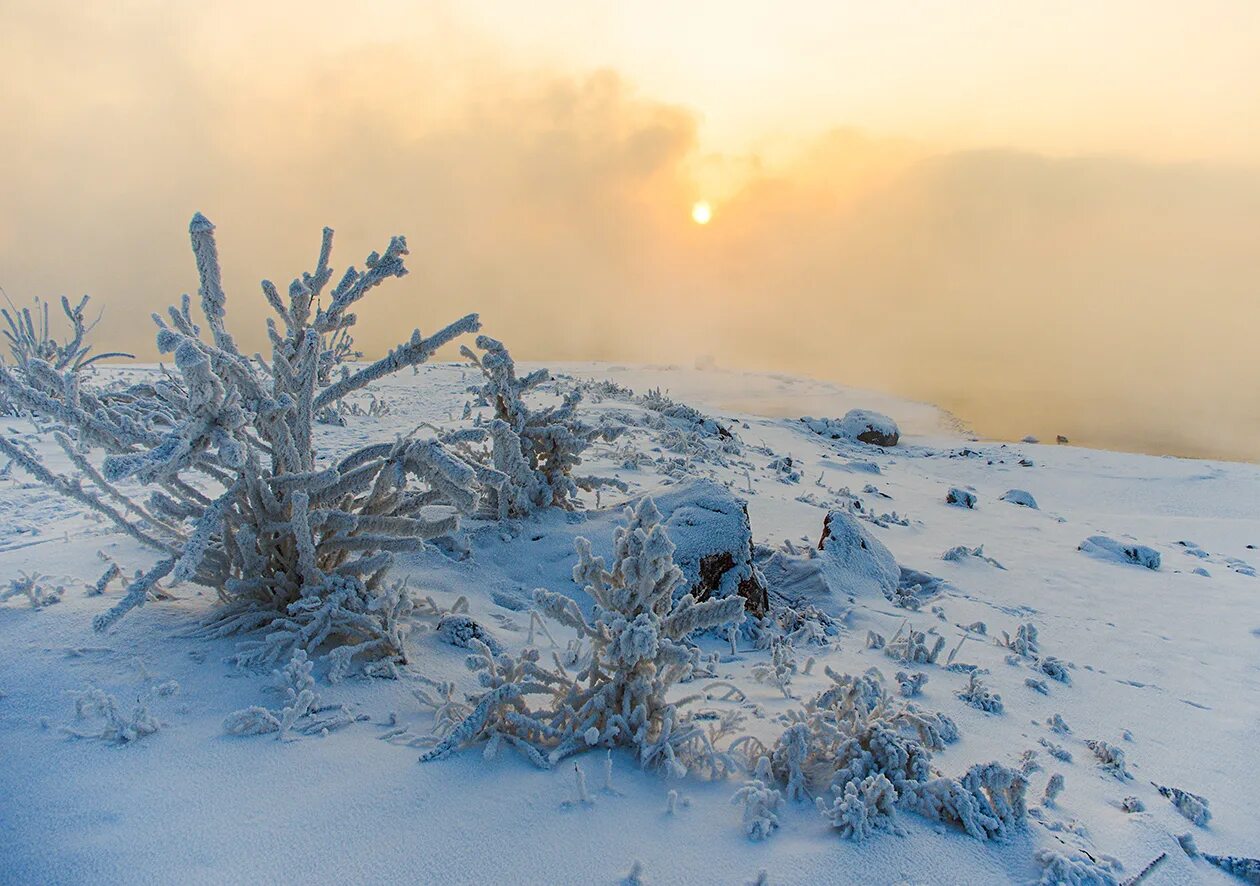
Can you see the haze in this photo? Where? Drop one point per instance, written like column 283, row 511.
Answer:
column 1042, row 216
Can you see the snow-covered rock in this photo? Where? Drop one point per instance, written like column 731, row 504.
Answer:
column 713, row 543
column 862, row 425
column 854, row 561
column 960, row 497
column 1104, row 548
column 1020, row 497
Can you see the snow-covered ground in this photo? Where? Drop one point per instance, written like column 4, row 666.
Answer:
column 1164, row 664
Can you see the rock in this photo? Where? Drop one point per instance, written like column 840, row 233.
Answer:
column 853, row 561
column 960, row 497
column 712, row 538
column 1030, row 439
column 862, row 425
column 1020, row 497
column 1104, row 548
column 1061, row 440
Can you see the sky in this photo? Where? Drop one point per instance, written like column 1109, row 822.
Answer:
column 1041, row 215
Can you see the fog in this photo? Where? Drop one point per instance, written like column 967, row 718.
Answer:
column 1106, row 297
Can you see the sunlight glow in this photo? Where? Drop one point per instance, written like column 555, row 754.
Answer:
column 701, row 212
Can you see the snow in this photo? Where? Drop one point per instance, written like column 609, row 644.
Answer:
column 162, row 792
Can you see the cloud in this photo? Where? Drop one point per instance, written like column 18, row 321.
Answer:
column 1102, row 297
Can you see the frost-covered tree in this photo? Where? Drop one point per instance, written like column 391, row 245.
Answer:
column 533, row 451
column 620, row 695
column 294, row 547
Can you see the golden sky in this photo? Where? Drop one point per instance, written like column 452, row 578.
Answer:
column 1041, row 214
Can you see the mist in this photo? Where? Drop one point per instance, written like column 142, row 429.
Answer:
column 1106, row 297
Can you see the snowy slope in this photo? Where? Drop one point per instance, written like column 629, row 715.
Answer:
column 1170, row 656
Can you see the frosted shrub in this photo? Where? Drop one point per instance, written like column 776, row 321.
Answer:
column 780, row 669
column 853, row 731
column 1054, row 787
column 301, row 710
column 861, row 807
column 293, row 547
column 980, row 696
column 107, row 720
column 533, row 451
column 37, row 590
column 1024, row 642
column 1076, row 869
column 912, row 648
column 760, row 804
column 1245, row 869
column 1110, row 757
column 910, row 684
column 619, row 696
column 1192, row 806
column 34, row 346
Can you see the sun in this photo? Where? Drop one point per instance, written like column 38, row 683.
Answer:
column 701, row 212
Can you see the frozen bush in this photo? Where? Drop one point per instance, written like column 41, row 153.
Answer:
column 294, row 549
column 911, row 684
column 107, row 720
column 1025, row 640
column 760, row 807
column 852, row 732
column 37, row 590
column 1054, row 787
column 780, row 669
column 962, row 553
column 1192, row 806
column 1056, row 723
column 861, row 808
column 33, row 345
column 533, row 451
column 686, row 417
column 1054, row 668
column 1245, row 869
column 618, row 698
column 301, row 710
column 1057, row 751
column 912, row 647
column 985, row 802
column 1076, row 869
column 1104, row 548
column 1132, row 804
column 979, row 696
column 1110, row 757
